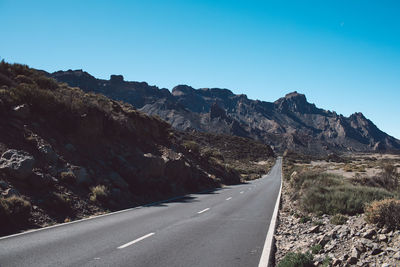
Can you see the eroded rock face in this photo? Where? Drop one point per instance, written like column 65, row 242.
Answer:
column 82, row 176
column 151, row 166
column 291, row 122
column 17, row 163
column 22, row 111
column 118, row 181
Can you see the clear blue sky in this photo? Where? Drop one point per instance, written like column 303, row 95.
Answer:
column 344, row 55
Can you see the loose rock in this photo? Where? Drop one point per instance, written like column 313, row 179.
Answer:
column 17, row 163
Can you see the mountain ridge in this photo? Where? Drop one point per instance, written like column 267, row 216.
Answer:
column 289, row 123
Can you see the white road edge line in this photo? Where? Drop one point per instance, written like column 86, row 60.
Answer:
column 203, row 210
column 266, row 253
column 135, row 241
column 229, row 198
column 102, row 215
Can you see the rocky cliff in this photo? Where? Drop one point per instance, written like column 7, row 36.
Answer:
column 289, row 123
column 66, row 154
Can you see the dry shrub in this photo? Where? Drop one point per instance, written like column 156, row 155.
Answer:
column 68, row 177
column 58, row 203
column 99, row 193
column 338, row 219
column 14, row 210
column 192, row 146
column 384, row 213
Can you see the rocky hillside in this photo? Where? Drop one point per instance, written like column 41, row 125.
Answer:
column 66, row 154
column 290, row 123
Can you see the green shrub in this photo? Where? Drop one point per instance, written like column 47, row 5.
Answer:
column 344, row 199
column 293, row 259
column 99, row 193
column 320, row 223
column 14, row 210
column 331, row 194
column 192, row 147
column 326, row 262
column 316, row 249
column 338, row 219
column 305, row 219
column 384, row 213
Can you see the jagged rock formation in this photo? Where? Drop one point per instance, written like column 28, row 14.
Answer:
column 289, row 123
column 66, row 154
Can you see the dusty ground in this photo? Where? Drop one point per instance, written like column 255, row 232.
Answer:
column 355, row 243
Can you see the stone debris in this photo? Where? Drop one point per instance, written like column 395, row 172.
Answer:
column 354, row 243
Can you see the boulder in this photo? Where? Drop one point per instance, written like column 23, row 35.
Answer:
column 17, row 163
column 355, row 253
column 10, row 192
column 151, row 167
column 376, row 250
column 70, row 147
column 369, row 234
column 336, row 262
column 3, row 185
column 352, row 260
column 118, row 181
column 40, row 180
column 294, row 176
column 22, row 111
column 47, row 151
column 323, row 240
column 314, row 229
column 82, row 177
column 177, row 169
column 382, row 238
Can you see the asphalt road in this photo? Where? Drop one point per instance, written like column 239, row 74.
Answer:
column 226, row 227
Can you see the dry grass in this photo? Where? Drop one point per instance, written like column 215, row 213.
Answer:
column 14, row 211
column 325, row 193
column 99, row 193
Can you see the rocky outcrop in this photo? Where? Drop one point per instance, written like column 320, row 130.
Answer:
column 70, row 154
column 290, row 122
column 17, row 163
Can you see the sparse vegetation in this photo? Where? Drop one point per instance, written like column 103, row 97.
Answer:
column 67, row 177
column 99, row 193
column 248, row 158
column 58, row 203
column 316, row 249
column 304, row 219
column 293, row 259
column 14, row 211
column 323, row 193
column 384, row 213
column 192, row 147
column 338, row 219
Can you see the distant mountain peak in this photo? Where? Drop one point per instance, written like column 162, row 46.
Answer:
column 295, row 102
column 117, row 79
column 291, row 122
column 294, row 94
column 182, row 89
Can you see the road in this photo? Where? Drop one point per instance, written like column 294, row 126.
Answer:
column 225, row 227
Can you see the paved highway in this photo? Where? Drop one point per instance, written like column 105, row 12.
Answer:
column 226, row 227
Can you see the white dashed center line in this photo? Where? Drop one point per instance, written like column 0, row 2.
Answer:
column 203, row 210
column 135, row 241
column 229, row 198
column 241, row 192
